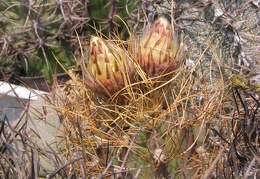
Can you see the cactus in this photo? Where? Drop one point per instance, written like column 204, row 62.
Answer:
column 35, row 34
column 188, row 124
column 107, row 17
column 163, row 130
column 147, row 136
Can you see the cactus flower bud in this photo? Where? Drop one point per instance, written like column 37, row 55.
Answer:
column 107, row 68
column 158, row 52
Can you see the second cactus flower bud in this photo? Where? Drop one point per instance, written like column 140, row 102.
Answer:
column 158, row 53
column 107, row 68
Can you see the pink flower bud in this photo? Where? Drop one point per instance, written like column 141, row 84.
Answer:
column 158, row 52
column 107, row 68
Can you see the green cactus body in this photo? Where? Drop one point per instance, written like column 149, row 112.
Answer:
column 105, row 15
column 32, row 34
